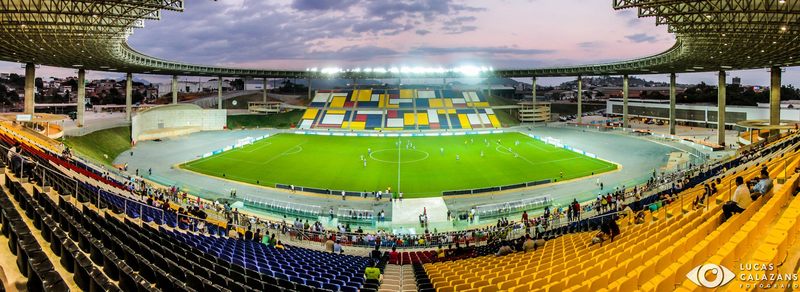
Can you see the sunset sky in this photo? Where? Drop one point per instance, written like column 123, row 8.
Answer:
column 297, row 34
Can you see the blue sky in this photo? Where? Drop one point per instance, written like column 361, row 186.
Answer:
column 297, row 34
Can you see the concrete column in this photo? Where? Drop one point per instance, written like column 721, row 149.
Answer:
column 219, row 93
column 672, row 103
column 580, row 100
column 533, row 94
column 721, row 109
column 174, row 89
column 625, row 102
column 81, row 97
column 264, row 88
column 309, row 80
column 128, row 96
column 30, row 86
column 775, row 98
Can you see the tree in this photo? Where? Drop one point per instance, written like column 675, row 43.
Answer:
column 237, row 84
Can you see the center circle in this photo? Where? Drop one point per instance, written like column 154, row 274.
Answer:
column 406, row 155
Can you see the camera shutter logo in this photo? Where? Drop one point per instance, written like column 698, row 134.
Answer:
column 698, row 275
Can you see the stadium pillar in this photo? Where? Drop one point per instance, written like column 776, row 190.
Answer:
column 309, row 80
column 625, row 101
column 174, row 89
column 81, row 97
column 264, row 87
column 219, row 92
column 128, row 95
column 672, row 103
column 30, row 85
column 580, row 100
column 774, row 98
column 533, row 99
column 721, row 109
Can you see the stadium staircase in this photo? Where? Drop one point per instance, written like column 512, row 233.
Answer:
column 654, row 256
column 398, row 109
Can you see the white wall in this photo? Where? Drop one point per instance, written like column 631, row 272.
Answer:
column 165, row 122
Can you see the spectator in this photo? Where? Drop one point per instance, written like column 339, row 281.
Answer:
column 740, row 200
column 248, row 235
column 598, row 238
column 394, row 256
column 265, row 239
column 505, row 249
column 278, row 245
column 257, row 235
column 337, row 248
column 528, row 245
column 373, row 274
column 329, row 245
column 440, row 253
column 376, row 253
column 763, row 186
column 232, row 233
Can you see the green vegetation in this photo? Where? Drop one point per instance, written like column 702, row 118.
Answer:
column 419, row 170
column 103, row 145
column 279, row 121
column 506, row 117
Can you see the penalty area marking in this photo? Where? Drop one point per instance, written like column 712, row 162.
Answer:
column 371, row 155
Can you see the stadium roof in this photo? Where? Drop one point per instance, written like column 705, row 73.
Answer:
column 710, row 35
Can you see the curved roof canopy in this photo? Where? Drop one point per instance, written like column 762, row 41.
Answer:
column 710, row 35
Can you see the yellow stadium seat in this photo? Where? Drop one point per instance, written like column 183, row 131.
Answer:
column 557, row 286
column 408, row 119
column 445, row 289
column 464, row 121
column 629, row 284
column 598, row 282
column 495, row 122
column 383, row 100
column 422, row 119
column 365, row 95
column 338, row 102
column 507, row 284
column 406, row 93
column 462, row 287
column 521, row 288
column 435, row 103
column 490, row 288
column 310, row 114
column 479, row 283
column 457, row 282
column 498, row 279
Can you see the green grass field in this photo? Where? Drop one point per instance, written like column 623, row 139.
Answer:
column 424, row 170
column 102, row 146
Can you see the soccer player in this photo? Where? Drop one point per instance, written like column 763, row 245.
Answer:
column 441, row 150
column 458, row 157
column 481, row 153
column 365, row 163
column 369, row 151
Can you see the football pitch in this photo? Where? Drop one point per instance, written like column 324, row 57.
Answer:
column 416, row 166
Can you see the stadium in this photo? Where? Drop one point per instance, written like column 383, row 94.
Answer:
column 396, row 177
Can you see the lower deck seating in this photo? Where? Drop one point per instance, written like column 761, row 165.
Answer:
column 31, row 260
column 648, row 257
